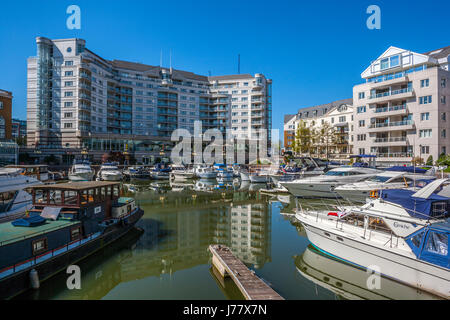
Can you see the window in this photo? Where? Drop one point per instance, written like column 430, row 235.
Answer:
column 437, row 243
column 362, row 151
column 361, row 123
column 68, row 84
column 68, row 73
column 443, row 99
column 68, row 94
column 1, row 105
column 67, row 125
column 444, row 133
column 68, row 63
column 39, row 246
column 75, row 233
column 425, row 100
column 443, row 82
column 424, row 83
column 443, row 116
column 361, row 109
column 425, row 149
column 425, row 133
column 361, row 95
column 425, row 116
column 417, row 239
column 394, row 60
column 384, row 64
column 342, row 119
column 444, row 150
column 68, row 115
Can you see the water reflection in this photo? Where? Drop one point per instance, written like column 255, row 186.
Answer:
column 349, row 282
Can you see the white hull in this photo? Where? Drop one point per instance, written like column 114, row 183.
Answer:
column 207, row 175
column 312, row 190
column 111, row 176
column 259, row 178
column 182, row 175
column 390, row 263
column 81, row 176
column 159, row 176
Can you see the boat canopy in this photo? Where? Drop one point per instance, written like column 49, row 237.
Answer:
column 409, row 169
column 423, row 208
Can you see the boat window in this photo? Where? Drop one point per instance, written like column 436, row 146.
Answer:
column 43, row 169
column 337, row 173
column 439, row 209
column 84, row 196
column 103, row 192
column 70, row 197
column 55, row 197
column 75, row 233
column 39, row 246
column 378, row 179
column 116, row 191
column 91, row 195
column 108, row 191
column 416, row 240
column 437, row 243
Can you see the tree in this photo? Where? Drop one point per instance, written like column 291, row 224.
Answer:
column 430, row 161
column 302, row 138
column 417, row 161
column 326, row 138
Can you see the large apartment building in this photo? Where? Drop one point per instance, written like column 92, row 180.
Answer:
column 402, row 109
column 77, row 100
column 338, row 114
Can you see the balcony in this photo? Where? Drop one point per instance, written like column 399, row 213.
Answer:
column 390, row 79
column 392, row 141
column 401, row 155
column 395, row 125
column 392, row 110
column 389, row 95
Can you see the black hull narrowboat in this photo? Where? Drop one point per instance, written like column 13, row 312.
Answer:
column 78, row 220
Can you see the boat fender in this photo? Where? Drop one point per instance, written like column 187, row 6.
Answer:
column 34, row 279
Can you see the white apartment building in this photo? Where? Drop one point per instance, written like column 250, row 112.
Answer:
column 78, row 100
column 338, row 114
column 402, row 109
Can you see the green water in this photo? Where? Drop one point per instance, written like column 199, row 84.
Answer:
column 166, row 256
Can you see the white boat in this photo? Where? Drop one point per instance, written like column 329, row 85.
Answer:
column 205, row 172
column 14, row 199
column 224, row 175
column 360, row 191
column 109, row 172
column 323, row 186
column 181, row 173
column 402, row 236
column 81, row 171
column 160, row 172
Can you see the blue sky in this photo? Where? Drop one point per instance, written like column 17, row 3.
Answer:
column 314, row 51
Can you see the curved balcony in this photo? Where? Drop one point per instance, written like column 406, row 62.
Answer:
column 390, row 95
column 389, row 126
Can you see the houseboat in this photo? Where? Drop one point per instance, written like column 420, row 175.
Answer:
column 67, row 222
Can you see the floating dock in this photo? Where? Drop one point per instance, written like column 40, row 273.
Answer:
column 251, row 287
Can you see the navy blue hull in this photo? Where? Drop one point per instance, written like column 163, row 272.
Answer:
column 20, row 281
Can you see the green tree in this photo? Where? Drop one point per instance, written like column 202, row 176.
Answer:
column 302, row 138
column 430, row 161
column 326, row 137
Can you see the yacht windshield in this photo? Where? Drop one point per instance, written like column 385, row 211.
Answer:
column 379, row 179
column 337, row 173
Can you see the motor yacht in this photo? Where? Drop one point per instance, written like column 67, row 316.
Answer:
column 403, row 235
column 14, row 198
column 180, row 172
column 358, row 192
column 109, row 172
column 160, row 172
column 323, row 186
column 136, row 173
column 81, row 171
column 204, row 172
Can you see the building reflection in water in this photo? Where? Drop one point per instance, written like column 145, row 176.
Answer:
column 175, row 236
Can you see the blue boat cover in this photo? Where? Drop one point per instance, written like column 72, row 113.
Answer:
column 409, row 169
column 360, row 164
column 28, row 222
column 416, row 207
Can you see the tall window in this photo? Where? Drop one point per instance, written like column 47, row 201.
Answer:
column 425, row 100
column 425, row 116
column 2, row 128
column 424, row 83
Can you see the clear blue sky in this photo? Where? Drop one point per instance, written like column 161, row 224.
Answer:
column 314, row 51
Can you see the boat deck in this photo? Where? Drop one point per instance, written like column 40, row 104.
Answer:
column 10, row 233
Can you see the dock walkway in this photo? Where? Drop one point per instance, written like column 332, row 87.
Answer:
column 252, row 287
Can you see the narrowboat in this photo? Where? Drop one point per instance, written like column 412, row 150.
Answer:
column 66, row 223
